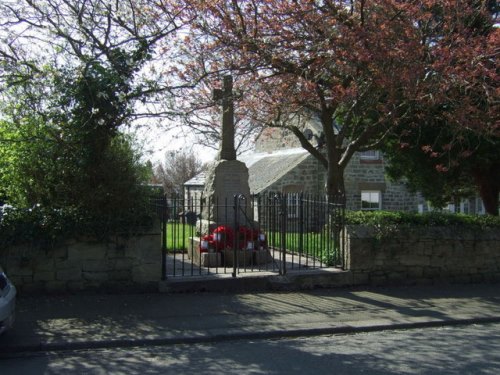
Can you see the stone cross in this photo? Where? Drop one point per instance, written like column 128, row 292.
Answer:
column 225, row 97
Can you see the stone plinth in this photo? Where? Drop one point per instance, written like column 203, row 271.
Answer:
column 262, row 256
column 202, row 259
column 246, row 258
column 225, row 180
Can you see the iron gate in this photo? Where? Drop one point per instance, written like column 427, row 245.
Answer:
column 262, row 233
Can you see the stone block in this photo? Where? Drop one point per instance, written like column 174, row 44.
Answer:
column 88, row 250
column 59, row 252
column 63, row 264
column 378, row 280
column 120, row 275
column 95, row 276
column 122, row 264
column 360, row 278
column 92, row 265
column 415, row 272
column 75, row 286
column 244, row 258
column 210, row 260
column 75, row 252
column 415, row 260
column 144, row 247
column 262, row 256
column 68, row 274
column 360, row 256
column 395, row 276
column 55, row 286
column 35, row 287
column 202, row 259
column 44, row 265
column 20, row 271
column 224, row 180
column 44, row 276
column 477, row 278
column 147, row 272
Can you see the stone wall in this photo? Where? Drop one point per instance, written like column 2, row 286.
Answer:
column 370, row 175
column 307, row 176
column 121, row 264
column 423, row 255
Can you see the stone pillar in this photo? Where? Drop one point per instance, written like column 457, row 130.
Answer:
column 225, row 97
column 227, row 177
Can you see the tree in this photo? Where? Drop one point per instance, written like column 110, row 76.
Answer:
column 362, row 67
column 71, row 78
column 128, row 38
column 176, row 169
column 446, row 172
column 453, row 148
column 201, row 115
column 133, row 42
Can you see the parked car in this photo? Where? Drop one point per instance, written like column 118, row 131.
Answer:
column 7, row 302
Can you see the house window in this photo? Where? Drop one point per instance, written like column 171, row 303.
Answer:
column 293, row 205
column 293, row 199
column 480, row 207
column 464, row 206
column 370, row 155
column 450, row 208
column 371, row 200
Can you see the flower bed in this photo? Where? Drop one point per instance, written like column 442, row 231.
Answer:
column 224, row 237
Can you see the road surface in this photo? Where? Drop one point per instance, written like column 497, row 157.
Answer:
column 472, row 349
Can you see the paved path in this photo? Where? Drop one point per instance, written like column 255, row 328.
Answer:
column 47, row 323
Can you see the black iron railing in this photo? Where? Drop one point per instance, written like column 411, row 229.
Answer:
column 267, row 233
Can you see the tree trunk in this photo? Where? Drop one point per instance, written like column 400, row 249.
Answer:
column 334, row 185
column 488, row 183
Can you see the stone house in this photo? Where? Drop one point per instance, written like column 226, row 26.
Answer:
column 279, row 164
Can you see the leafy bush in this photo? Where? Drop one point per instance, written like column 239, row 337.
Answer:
column 387, row 223
column 38, row 224
column 390, row 218
column 45, row 227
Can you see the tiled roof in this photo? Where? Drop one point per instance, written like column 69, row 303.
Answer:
column 267, row 169
column 198, row 180
column 263, row 168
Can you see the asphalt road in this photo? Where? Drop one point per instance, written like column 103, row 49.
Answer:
column 473, row 349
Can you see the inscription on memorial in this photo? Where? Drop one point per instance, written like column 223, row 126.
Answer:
column 232, row 184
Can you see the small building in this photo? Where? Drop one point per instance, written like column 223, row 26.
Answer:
column 279, row 164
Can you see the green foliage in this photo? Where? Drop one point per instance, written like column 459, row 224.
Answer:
column 387, row 223
column 431, row 160
column 36, row 225
column 45, row 227
column 65, row 153
column 431, row 219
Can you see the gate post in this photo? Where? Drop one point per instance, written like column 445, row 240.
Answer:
column 236, row 242
column 284, row 217
column 163, row 220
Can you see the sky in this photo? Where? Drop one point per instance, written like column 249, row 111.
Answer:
column 156, row 143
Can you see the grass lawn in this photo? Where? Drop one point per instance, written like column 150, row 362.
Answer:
column 317, row 245
column 178, row 236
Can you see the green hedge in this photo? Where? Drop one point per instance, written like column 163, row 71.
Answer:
column 45, row 227
column 390, row 218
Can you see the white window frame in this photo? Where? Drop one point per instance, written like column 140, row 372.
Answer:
column 370, row 155
column 450, row 208
column 292, row 205
column 464, row 206
column 379, row 200
column 480, row 210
